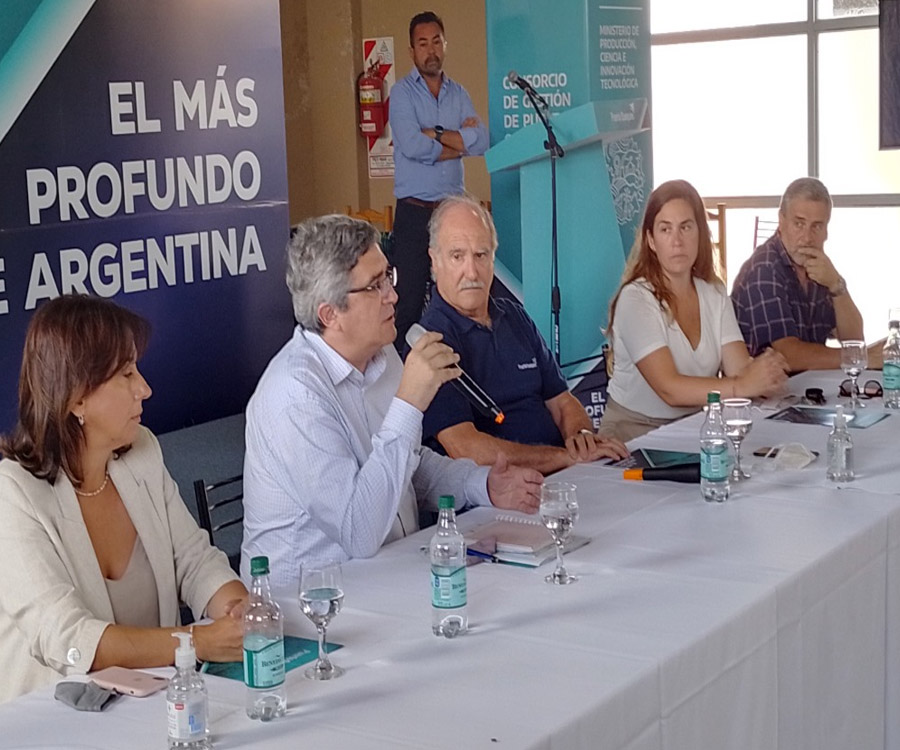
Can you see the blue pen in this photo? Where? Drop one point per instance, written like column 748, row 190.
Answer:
column 479, row 553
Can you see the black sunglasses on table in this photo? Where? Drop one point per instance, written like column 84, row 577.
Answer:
column 871, row 389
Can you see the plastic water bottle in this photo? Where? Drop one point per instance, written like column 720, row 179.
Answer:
column 187, row 702
column 714, row 457
column 263, row 647
column 891, row 369
column 448, row 574
column 840, row 450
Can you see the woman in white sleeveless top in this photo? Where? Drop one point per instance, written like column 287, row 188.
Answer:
column 672, row 328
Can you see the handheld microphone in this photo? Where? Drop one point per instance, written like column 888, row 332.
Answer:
column 688, row 473
column 464, row 384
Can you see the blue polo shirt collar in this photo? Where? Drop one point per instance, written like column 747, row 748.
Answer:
column 461, row 322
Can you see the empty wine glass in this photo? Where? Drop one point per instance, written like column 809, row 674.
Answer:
column 738, row 422
column 321, row 595
column 559, row 511
column 854, row 359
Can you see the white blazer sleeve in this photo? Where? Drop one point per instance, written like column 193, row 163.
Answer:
column 41, row 592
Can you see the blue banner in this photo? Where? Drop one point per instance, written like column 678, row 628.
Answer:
column 143, row 159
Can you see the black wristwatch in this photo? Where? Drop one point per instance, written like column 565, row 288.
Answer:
column 438, row 132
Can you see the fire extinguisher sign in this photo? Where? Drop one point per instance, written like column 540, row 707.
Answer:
column 378, row 56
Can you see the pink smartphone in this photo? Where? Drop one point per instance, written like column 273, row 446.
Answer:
column 129, row 681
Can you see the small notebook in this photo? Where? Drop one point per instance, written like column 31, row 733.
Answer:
column 536, row 559
column 516, row 534
column 521, row 540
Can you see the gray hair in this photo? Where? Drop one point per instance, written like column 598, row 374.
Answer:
column 805, row 188
column 463, row 199
column 321, row 254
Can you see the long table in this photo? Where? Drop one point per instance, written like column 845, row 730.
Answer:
column 768, row 621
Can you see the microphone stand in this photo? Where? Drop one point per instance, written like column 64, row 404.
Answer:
column 556, row 153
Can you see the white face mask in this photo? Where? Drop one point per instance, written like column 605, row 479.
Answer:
column 793, row 456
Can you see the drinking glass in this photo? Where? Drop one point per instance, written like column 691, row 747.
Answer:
column 321, row 595
column 738, row 422
column 854, row 359
column 559, row 511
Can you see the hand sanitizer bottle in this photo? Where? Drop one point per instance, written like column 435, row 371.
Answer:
column 840, row 450
column 186, row 701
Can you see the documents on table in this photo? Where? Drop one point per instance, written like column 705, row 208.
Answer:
column 517, row 540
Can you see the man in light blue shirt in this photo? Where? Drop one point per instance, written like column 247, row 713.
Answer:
column 433, row 126
column 334, row 466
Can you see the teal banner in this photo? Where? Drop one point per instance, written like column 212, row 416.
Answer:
column 590, row 61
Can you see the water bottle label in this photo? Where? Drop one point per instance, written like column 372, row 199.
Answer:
column 891, row 376
column 187, row 720
column 448, row 591
column 264, row 667
column 714, row 466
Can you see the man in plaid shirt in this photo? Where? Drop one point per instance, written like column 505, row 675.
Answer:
column 788, row 294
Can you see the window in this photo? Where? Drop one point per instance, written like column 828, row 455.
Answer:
column 849, row 159
column 693, row 15
column 715, row 132
column 749, row 96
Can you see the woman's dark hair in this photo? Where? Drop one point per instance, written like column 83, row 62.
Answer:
column 643, row 262
column 73, row 345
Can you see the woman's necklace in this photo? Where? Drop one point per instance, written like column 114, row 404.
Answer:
column 97, row 491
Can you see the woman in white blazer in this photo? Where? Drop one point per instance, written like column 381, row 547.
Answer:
column 96, row 545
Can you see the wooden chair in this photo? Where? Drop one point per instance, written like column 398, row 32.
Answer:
column 220, row 505
column 382, row 220
column 717, row 221
column 762, row 230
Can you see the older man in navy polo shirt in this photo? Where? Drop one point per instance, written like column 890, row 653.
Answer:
column 788, row 294
column 545, row 428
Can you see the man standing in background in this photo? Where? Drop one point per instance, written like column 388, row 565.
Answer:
column 434, row 125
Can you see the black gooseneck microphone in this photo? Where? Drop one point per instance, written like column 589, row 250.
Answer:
column 464, row 384
column 522, row 83
column 516, row 80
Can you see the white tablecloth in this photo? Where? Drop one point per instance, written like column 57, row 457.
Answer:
column 769, row 621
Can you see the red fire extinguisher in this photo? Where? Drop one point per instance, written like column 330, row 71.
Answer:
column 370, row 90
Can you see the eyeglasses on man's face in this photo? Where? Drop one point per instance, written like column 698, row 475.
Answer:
column 383, row 285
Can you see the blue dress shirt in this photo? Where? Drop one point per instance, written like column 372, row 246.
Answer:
column 417, row 171
column 334, row 463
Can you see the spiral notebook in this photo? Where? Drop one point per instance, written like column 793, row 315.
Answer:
column 520, row 540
